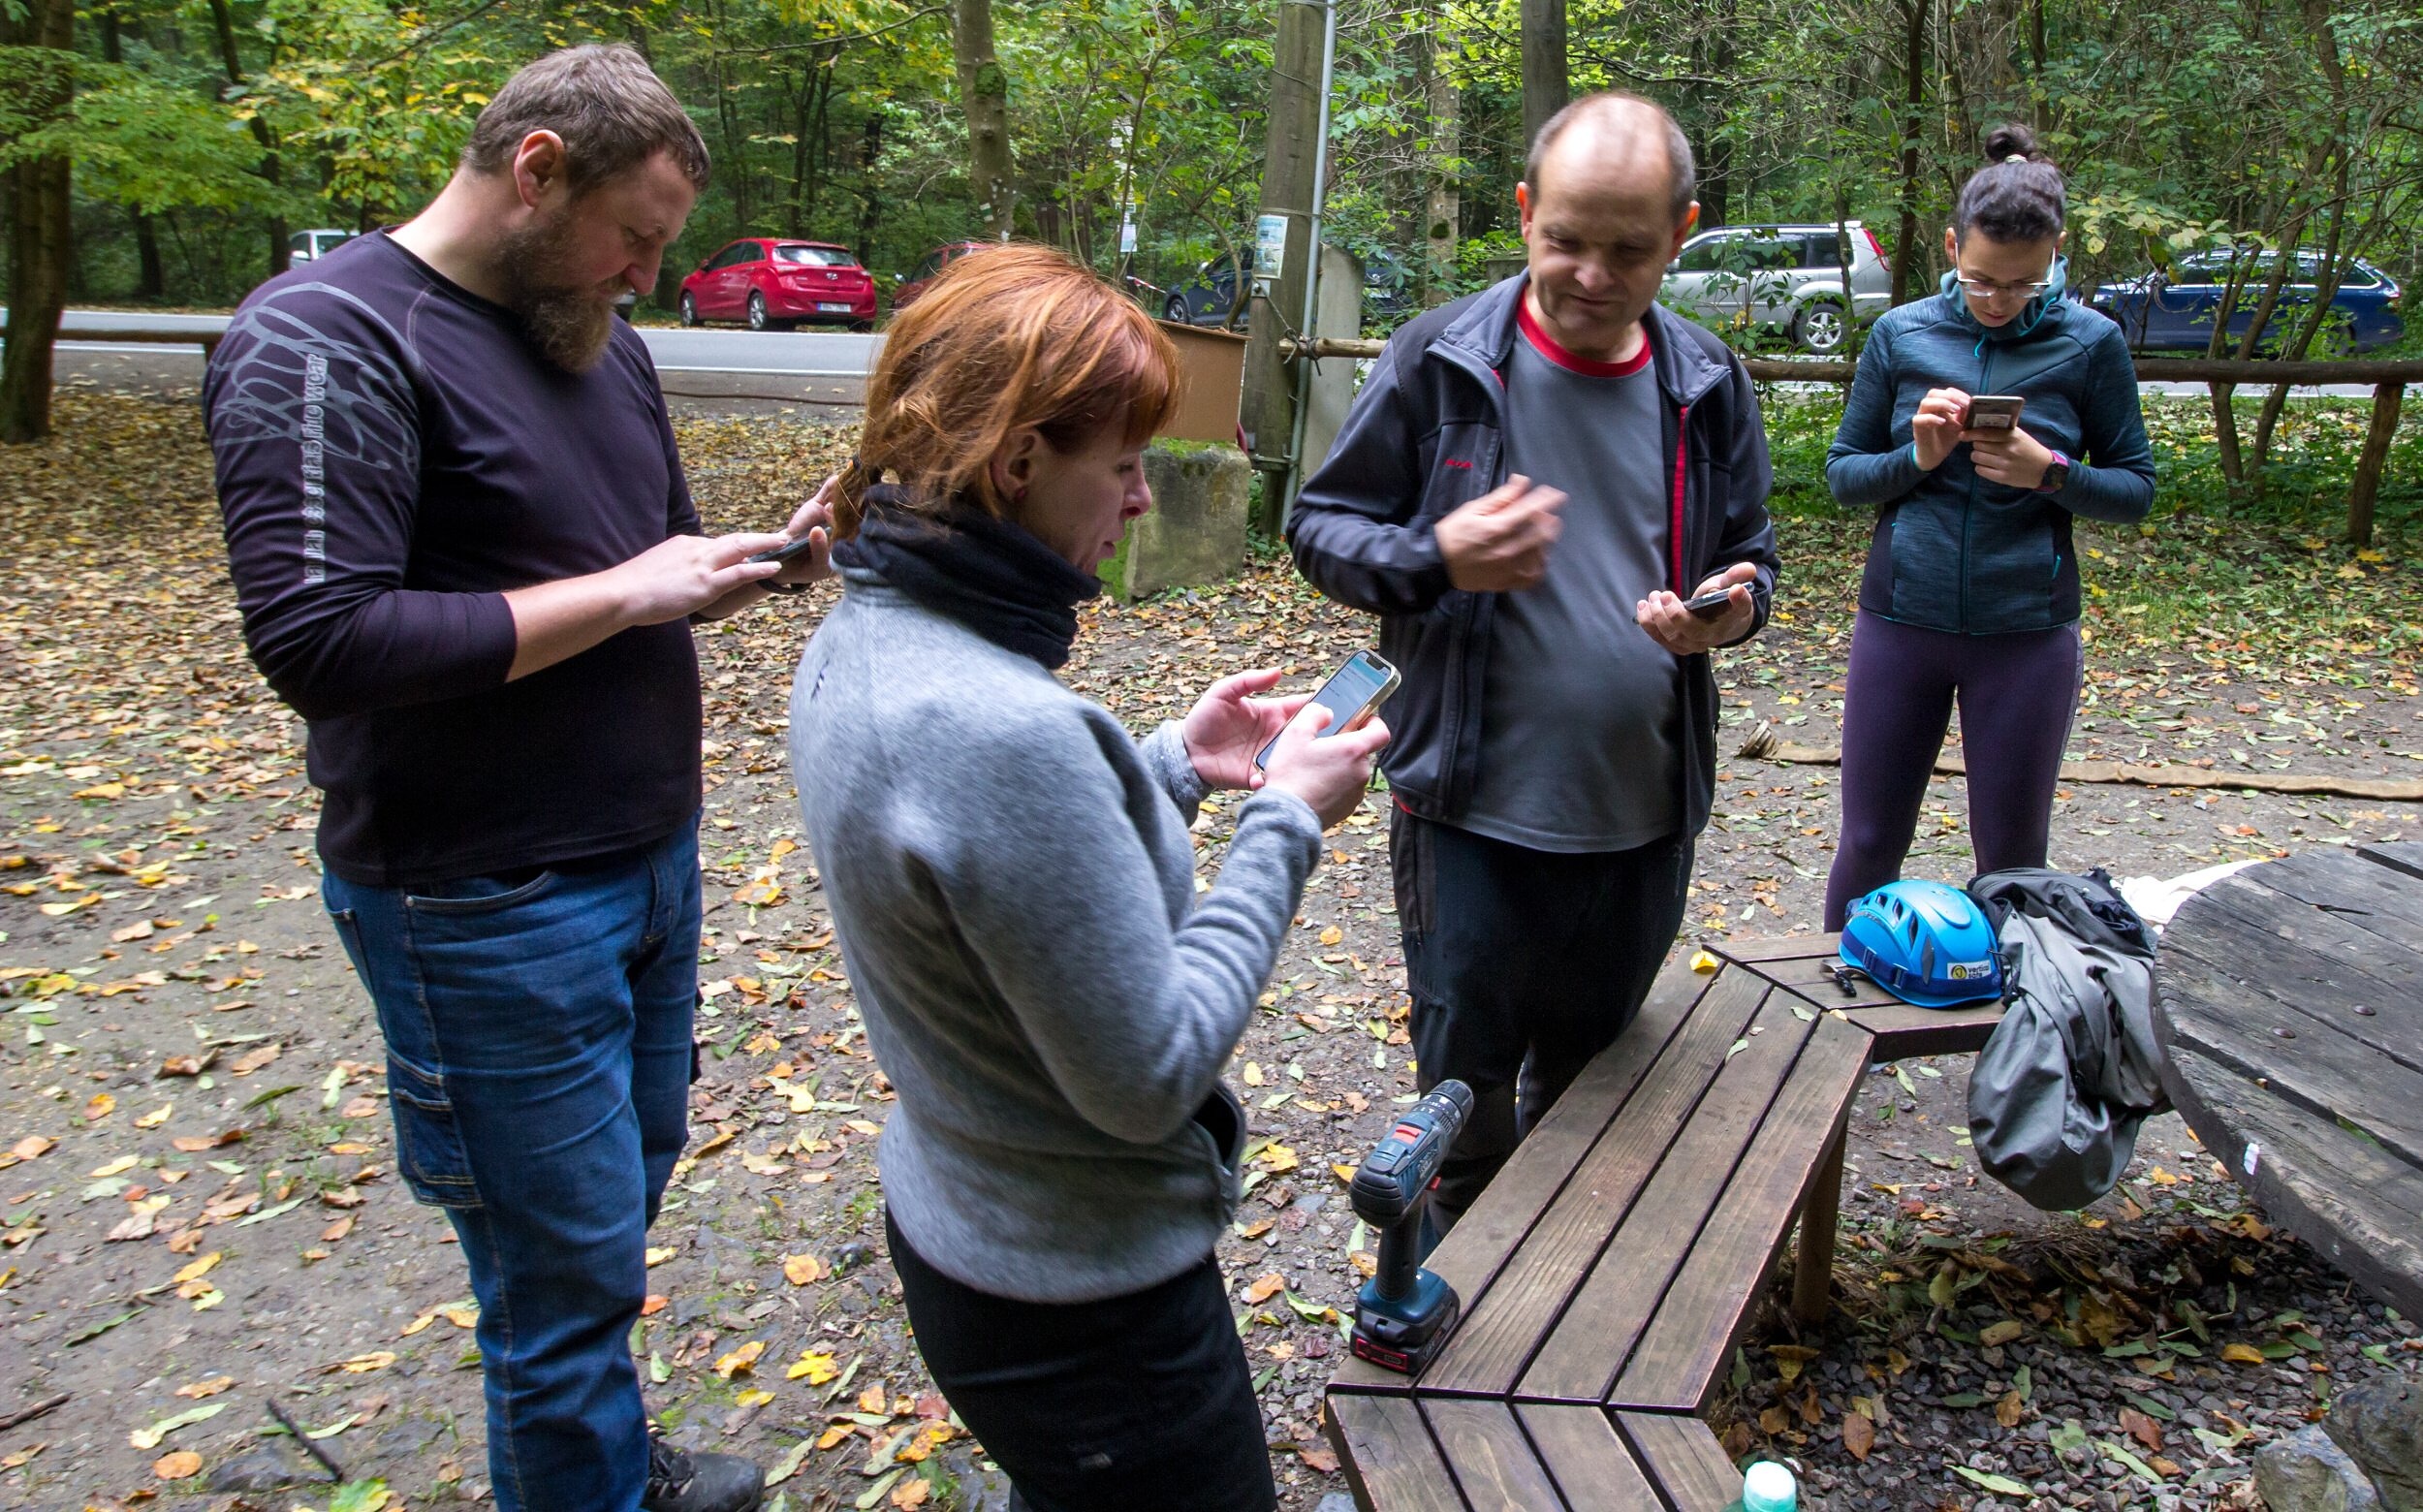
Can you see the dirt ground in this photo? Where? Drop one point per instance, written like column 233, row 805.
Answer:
column 198, row 1218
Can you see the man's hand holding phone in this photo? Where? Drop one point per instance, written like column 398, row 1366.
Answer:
column 1330, row 772
column 1725, row 615
column 805, row 554
column 1501, row 541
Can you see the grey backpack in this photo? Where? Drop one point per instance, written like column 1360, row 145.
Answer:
column 2057, row 1094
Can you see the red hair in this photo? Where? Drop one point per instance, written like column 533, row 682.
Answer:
column 1012, row 337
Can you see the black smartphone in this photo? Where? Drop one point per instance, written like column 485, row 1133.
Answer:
column 1351, row 694
column 788, row 551
column 1995, row 411
column 1708, row 606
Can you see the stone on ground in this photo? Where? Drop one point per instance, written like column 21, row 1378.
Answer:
column 2379, row 1424
column 2306, row 1472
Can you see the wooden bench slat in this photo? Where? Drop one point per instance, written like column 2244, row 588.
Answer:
column 1589, row 1461
column 1473, row 1254
column 1684, row 1348
column 2237, row 1024
column 1811, row 979
column 2404, row 856
column 1684, row 1457
column 1493, row 1464
column 1905, row 1031
column 1580, row 1358
column 2262, row 937
column 1389, row 1462
column 2358, row 1205
column 1792, row 947
column 1503, row 1331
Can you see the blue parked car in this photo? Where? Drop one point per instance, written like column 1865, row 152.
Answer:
column 2175, row 311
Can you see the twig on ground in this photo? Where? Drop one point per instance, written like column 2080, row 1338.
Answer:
column 28, row 1414
column 328, row 1462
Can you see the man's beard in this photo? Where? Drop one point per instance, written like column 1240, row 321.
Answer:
column 569, row 323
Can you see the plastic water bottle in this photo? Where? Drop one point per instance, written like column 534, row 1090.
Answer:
column 1768, row 1487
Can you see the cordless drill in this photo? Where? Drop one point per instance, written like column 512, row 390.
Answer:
column 1404, row 1311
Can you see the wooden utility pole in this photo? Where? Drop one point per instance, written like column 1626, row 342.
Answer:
column 985, row 95
column 1544, row 87
column 1442, row 203
column 1267, row 412
column 38, row 245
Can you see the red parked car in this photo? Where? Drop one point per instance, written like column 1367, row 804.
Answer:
column 932, row 263
column 773, row 284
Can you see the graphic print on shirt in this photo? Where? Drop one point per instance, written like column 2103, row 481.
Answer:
column 286, row 380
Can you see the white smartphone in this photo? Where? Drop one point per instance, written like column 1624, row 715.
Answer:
column 1995, row 411
column 1353, row 693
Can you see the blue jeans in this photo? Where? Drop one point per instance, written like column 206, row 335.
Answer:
column 538, row 1063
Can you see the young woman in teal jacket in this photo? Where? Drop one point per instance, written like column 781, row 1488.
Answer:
column 1971, row 593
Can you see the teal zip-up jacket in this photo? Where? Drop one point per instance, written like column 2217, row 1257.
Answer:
column 1956, row 552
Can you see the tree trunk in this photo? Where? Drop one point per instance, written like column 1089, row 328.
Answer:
column 261, row 133
column 38, row 225
column 1905, row 250
column 151, row 281
column 1545, row 89
column 870, row 192
column 2036, row 84
column 1268, row 410
column 985, row 95
column 1442, row 200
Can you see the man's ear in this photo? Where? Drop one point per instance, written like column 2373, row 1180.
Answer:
column 1682, row 232
column 538, row 166
column 1522, row 207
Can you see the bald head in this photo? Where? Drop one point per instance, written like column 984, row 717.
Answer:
column 1615, row 134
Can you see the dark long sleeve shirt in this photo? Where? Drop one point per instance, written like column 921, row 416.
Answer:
column 392, row 456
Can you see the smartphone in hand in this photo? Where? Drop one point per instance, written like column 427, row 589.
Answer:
column 1994, row 412
column 787, row 552
column 1353, row 693
column 1708, row 606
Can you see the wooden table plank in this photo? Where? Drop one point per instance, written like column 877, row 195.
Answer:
column 1813, row 979
column 2327, row 966
column 1503, row 1331
column 1474, row 1252
column 2376, row 897
column 2351, row 1201
column 1578, row 1359
column 1494, row 1462
column 2323, row 1071
column 1685, row 1345
column 1904, row 1031
column 1684, row 1457
column 1391, row 1464
column 1591, row 1462
column 2404, row 856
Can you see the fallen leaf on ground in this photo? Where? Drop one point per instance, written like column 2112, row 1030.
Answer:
column 740, row 1360
column 209, row 1388
column 180, row 1466
column 1266, row 1288
column 1859, row 1434
column 800, row 1269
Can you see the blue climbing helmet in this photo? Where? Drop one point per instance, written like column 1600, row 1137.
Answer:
column 1925, row 942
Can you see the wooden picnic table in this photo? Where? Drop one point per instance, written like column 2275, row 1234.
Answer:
column 2289, row 1005
column 1611, row 1265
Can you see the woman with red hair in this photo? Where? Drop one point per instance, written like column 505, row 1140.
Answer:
column 1014, row 886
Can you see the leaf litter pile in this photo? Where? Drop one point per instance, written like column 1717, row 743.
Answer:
column 199, row 1215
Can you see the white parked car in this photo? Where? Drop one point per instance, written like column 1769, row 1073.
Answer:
column 306, row 246
column 1786, row 278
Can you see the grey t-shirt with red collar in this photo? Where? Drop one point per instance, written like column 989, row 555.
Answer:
column 1578, row 749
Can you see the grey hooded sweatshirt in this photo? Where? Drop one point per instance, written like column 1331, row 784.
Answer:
column 1013, row 886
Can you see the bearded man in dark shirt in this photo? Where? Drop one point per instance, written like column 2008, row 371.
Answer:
column 465, row 553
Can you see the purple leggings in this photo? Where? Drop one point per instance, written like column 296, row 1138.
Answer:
column 2017, row 695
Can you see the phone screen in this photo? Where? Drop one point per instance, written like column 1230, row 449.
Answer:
column 1345, row 695
column 1995, row 411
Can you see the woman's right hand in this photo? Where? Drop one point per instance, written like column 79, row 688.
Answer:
column 1937, row 426
column 1331, row 774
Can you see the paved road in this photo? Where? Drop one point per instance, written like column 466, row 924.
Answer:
column 714, row 369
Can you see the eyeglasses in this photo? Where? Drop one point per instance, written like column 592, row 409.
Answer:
column 1985, row 289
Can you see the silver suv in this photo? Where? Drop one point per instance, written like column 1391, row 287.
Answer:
column 1786, row 278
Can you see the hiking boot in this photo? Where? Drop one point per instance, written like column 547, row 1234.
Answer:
column 678, row 1481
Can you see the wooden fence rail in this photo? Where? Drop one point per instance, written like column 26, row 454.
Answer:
column 2388, row 380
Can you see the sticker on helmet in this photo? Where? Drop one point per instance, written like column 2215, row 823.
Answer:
column 1968, row 970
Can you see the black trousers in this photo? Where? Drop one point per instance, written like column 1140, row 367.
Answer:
column 1524, row 964
column 1142, row 1401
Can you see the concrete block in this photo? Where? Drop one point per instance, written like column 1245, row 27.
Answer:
column 1195, row 533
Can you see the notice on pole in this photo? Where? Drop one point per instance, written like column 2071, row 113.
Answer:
column 1270, row 246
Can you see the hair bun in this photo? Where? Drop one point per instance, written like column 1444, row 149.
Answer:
column 2013, row 141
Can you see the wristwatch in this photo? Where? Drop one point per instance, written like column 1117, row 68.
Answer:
column 2056, row 474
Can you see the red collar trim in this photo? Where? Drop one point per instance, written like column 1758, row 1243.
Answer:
column 1546, row 346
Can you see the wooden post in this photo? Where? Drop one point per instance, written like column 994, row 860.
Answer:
column 2387, row 400
column 1813, row 1265
column 1268, row 412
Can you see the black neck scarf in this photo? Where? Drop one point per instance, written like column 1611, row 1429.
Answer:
column 988, row 574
